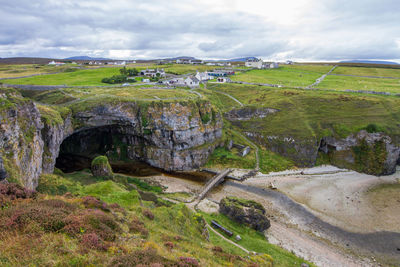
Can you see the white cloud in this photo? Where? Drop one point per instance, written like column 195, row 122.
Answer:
column 298, row 29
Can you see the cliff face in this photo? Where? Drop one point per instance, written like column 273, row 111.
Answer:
column 21, row 144
column 372, row 153
column 171, row 136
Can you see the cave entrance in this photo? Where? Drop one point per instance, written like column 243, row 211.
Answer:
column 116, row 142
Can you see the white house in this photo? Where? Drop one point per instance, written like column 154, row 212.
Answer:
column 203, row 76
column 145, row 80
column 273, row 65
column 56, row 63
column 256, row 63
column 192, row 82
column 153, row 73
column 223, row 80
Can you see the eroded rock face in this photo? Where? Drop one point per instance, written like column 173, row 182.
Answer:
column 171, row 136
column 21, row 144
column 372, row 153
column 246, row 212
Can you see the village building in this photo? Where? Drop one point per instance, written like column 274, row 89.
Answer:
column 273, row 65
column 203, row 76
column 153, row 73
column 221, row 73
column 55, row 63
column 255, row 63
column 192, row 82
column 223, row 80
column 176, row 82
column 196, row 61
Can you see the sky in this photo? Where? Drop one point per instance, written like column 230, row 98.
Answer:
column 302, row 30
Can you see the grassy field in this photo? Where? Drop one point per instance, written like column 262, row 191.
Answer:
column 359, row 83
column 306, row 113
column 359, row 71
column 79, row 77
column 297, row 75
column 10, row 71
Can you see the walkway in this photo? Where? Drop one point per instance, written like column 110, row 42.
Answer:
column 320, row 79
column 216, row 180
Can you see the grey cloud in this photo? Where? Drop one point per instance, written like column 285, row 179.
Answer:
column 155, row 28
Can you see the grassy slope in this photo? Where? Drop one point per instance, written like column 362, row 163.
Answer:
column 358, row 83
column 254, row 241
column 14, row 70
column 380, row 72
column 299, row 75
column 314, row 113
column 94, row 76
column 80, row 77
column 168, row 223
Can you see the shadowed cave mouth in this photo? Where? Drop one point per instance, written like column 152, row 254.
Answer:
column 116, row 142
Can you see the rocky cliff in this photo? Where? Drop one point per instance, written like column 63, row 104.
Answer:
column 372, row 153
column 174, row 136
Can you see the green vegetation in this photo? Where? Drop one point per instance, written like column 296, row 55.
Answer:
column 253, row 241
column 360, row 83
column 105, row 218
column 367, row 71
column 284, row 76
column 115, row 79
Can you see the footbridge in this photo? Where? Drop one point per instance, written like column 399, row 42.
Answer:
column 216, row 180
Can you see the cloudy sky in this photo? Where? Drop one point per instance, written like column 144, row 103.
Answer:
column 272, row 29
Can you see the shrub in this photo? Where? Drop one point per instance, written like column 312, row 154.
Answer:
column 115, row 79
column 137, row 226
column 373, row 128
column 95, row 203
column 188, row 262
column 15, row 191
column 147, row 257
column 48, row 214
column 169, row 245
column 93, row 241
column 147, row 213
column 92, row 221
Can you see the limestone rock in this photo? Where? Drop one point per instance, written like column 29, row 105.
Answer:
column 372, row 153
column 246, row 212
column 101, row 167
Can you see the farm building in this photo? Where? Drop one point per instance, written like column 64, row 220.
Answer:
column 153, row 73
column 192, row 82
column 256, row 63
column 203, row 76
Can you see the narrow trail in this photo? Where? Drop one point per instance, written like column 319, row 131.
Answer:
column 320, row 79
column 257, row 167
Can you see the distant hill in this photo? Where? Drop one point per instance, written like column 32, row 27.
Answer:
column 183, row 57
column 25, row 60
column 86, row 58
column 243, row 59
column 370, row 62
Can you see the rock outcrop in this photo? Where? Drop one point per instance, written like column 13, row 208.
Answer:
column 246, row 212
column 101, row 167
column 174, row 136
column 21, row 144
column 372, row 153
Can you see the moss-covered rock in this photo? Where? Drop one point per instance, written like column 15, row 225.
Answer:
column 246, row 212
column 101, row 167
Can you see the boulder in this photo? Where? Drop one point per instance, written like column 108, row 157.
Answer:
column 246, row 212
column 101, row 167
